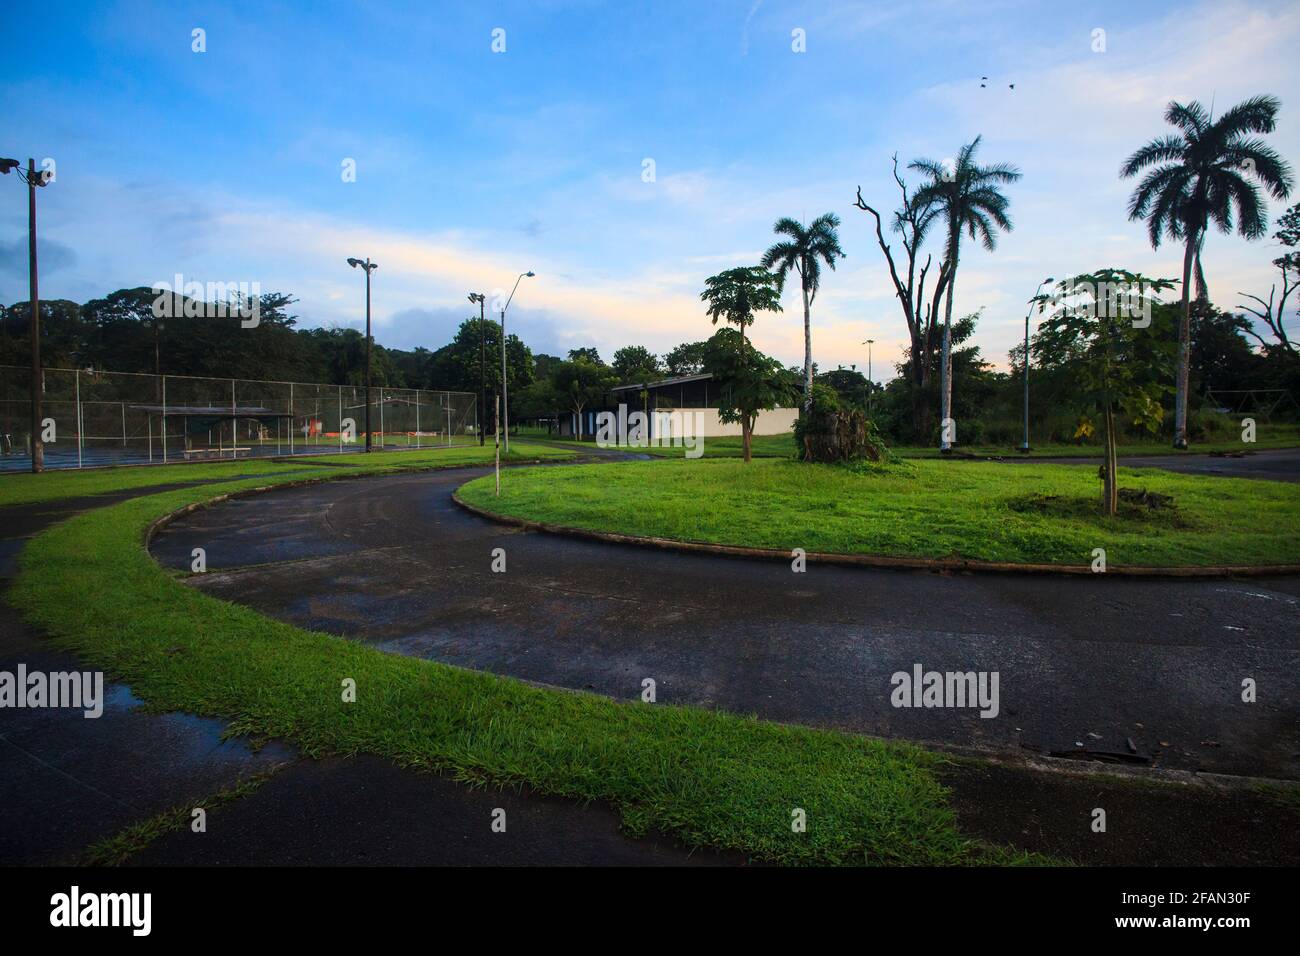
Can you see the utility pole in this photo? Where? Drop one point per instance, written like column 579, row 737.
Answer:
column 480, row 298
column 369, row 267
column 32, row 179
column 871, row 384
column 505, row 401
column 1024, row 445
column 38, row 446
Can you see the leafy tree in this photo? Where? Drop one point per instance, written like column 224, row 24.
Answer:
column 1122, row 365
column 748, row 380
column 583, row 382
column 686, row 359
column 803, row 252
column 735, row 295
column 966, row 196
column 635, row 364
column 588, row 354
column 1199, row 175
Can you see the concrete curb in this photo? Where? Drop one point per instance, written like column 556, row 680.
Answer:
column 942, row 565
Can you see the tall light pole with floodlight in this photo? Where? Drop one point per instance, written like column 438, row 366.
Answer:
column 482, row 362
column 369, row 267
column 33, row 179
column 1024, row 445
column 871, row 384
column 505, row 406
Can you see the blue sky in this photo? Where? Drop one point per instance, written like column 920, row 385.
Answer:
column 473, row 166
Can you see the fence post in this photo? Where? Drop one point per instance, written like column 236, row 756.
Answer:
column 163, row 418
column 417, row 420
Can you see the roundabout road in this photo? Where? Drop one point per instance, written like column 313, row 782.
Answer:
column 1085, row 665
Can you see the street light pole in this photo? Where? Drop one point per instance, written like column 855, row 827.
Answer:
column 505, row 401
column 1024, row 445
column 482, row 362
column 369, row 267
column 871, row 383
column 34, row 326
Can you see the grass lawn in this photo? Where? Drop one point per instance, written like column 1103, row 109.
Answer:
column 1039, row 513
column 25, row 488
column 782, row 446
column 708, row 778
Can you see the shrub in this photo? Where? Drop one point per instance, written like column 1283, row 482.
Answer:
column 830, row 432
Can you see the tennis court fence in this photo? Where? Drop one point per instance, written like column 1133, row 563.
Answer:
column 92, row 418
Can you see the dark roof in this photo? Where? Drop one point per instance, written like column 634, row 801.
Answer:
column 665, row 383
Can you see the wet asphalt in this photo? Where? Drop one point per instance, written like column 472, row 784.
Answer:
column 1133, row 671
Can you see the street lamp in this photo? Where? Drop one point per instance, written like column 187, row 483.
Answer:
column 33, row 179
column 369, row 267
column 482, row 363
column 505, row 407
column 871, row 385
column 1024, row 445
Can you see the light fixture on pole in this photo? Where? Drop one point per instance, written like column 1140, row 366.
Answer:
column 871, row 384
column 1024, row 445
column 482, row 361
column 505, row 402
column 369, row 267
column 33, row 179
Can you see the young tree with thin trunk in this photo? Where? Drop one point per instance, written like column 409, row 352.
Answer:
column 1122, row 354
column 1200, row 174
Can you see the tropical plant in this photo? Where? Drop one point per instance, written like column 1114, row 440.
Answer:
column 912, row 222
column 735, row 295
column 1200, row 174
column 749, row 381
column 803, row 252
column 966, row 195
column 1122, row 360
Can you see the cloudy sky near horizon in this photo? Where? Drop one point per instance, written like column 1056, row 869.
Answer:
column 473, row 166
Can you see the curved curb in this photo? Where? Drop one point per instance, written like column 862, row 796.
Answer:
column 942, row 565
column 163, row 520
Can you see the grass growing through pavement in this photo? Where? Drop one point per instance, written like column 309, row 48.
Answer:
column 26, row 488
column 121, row 846
column 1040, row 513
column 708, row 778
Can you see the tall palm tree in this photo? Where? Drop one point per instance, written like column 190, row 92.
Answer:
column 966, row 195
column 1200, row 174
column 803, row 252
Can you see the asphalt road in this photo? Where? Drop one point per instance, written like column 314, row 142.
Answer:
column 1086, row 666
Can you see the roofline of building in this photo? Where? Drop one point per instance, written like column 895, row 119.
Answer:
column 680, row 380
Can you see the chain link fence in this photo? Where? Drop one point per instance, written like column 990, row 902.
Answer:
column 91, row 418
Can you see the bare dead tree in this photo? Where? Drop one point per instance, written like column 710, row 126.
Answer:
column 911, row 223
column 1270, row 314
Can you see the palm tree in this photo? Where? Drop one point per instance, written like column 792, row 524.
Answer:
column 1200, row 174
column 803, row 252
column 967, row 197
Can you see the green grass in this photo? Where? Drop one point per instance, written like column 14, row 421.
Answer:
column 1280, row 436
column 708, row 778
column 782, row 446
column 121, row 846
column 1037, row 513
column 26, row 488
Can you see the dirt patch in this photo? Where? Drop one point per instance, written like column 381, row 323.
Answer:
column 1148, row 823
